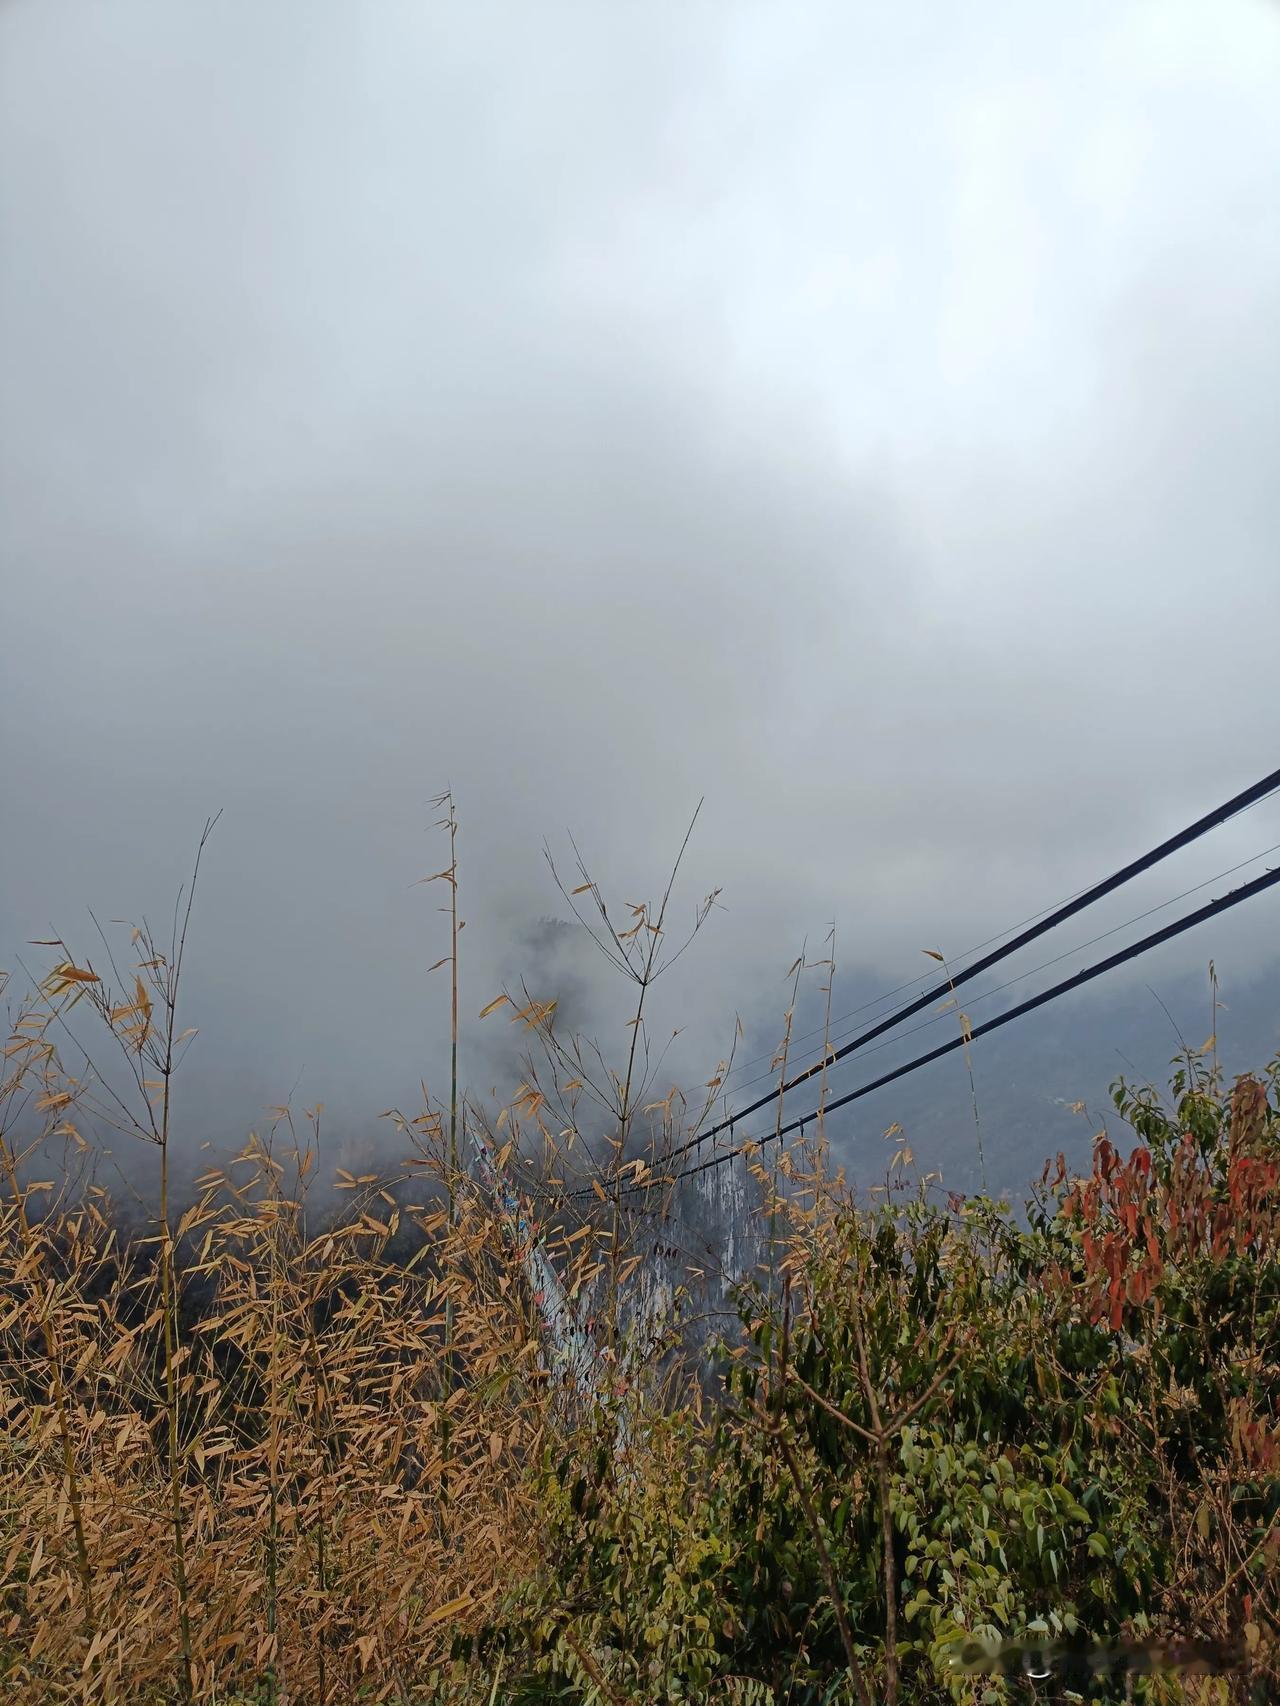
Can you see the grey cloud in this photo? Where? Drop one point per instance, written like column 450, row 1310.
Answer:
column 863, row 419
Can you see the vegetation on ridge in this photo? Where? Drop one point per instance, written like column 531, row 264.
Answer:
column 295, row 1450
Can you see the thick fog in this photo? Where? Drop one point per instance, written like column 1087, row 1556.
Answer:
column 864, row 418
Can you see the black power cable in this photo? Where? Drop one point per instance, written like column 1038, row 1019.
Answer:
column 1240, row 802
column 988, row 994
column 1245, row 892
column 1046, row 965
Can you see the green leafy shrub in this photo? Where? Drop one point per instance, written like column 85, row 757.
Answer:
column 947, row 1424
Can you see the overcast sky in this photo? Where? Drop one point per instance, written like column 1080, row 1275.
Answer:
column 863, row 416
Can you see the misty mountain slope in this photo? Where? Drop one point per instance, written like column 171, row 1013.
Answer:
column 1028, row 1076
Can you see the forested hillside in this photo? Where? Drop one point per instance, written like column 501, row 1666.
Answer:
column 268, row 1449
